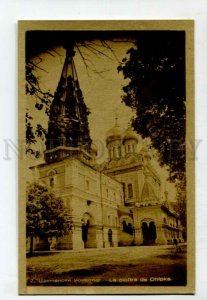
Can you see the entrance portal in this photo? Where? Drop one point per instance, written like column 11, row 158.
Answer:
column 88, row 231
column 149, row 233
column 110, row 237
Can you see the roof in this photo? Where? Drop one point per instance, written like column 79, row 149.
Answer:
column 148, row 192
column 130, row 135
column 114, row 133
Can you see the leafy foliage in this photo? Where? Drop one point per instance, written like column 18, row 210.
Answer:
column 46, row 215
column 180, row 205
column 155, row 70
column 42, row 99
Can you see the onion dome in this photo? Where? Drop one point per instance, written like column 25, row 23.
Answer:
column 113, row 134
column 94, row 148
column 145, row 153
column 130, row 135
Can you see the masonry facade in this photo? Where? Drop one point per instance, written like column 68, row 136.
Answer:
column 116, row 203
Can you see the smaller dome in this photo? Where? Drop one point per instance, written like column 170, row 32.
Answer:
column 145, row 153
column 115, row 133
column 130, row 135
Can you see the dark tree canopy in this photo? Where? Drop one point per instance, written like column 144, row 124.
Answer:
column 155, row 68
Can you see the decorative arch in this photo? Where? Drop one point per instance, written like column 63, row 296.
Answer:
column 88, row 230
column 110, row 237
column 147, row 220
column 149, row 232
column 51, row 172
column 127, row 224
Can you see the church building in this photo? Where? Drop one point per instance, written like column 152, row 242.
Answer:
column 115, row 203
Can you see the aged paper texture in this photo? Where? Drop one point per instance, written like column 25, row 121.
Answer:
column 106, row 167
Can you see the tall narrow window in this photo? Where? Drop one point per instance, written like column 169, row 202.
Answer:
column 124, row 189
column 52, row 182
column 111, row 153
column 114, row 152
column 130, row 190
column 87, row 185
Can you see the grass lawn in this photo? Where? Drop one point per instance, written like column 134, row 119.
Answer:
column 104, row 267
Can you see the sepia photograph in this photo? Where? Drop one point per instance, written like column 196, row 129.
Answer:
column 106, row 171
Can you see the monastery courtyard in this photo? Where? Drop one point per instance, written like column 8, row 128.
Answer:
column 136, row 265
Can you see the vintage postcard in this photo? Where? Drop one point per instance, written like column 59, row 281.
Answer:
column 106, row 166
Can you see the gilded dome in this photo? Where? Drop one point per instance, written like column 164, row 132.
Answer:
column 130, row 135
column 115, row 133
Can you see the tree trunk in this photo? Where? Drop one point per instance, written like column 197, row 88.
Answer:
column 31, row 244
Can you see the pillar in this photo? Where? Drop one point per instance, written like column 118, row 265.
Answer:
column 77, row 241
column 138, row 236
column 160, row 240
column 65, row 242
column 99, row 236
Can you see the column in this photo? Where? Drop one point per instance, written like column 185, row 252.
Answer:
column 160, row 240
column 99, row 236
column 65, row 242
column 138, row 236
column 77, row 241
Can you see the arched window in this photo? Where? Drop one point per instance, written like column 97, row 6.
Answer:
column 119, row 149
column 110, row 238
column 51, row 182
column 87, row 185
column 111, row 153
column 130, row 229
column 130, row 191
column 114, row 152
column 124, row 226
column 51, row 172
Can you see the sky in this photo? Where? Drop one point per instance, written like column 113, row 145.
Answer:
column 101, row 85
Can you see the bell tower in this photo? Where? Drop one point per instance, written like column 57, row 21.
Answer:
column 68, row 129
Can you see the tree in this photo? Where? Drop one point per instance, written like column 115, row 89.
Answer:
column 46, row 215
column 180, row 204
column 155, row 70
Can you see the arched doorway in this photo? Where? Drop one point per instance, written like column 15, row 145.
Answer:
column 126, row 232
column 110, row 237
column 89, row 231
column 152, row 231
column 149, row 232
column 127, row 226
column 145, row 232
